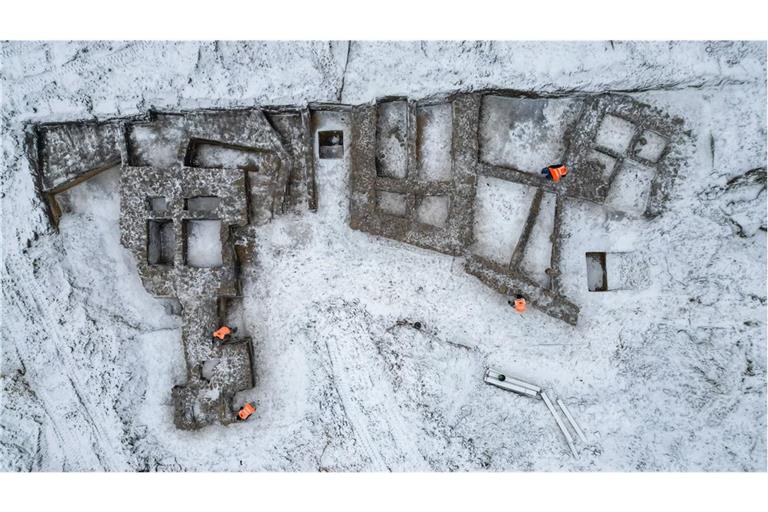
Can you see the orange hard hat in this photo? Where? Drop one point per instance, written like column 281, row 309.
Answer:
column 520, row 305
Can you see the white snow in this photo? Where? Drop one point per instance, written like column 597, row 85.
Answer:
column 392, row 203
column 433, row 210
column 667, row 377
column 524, row 134
column 203, row 243
column 631, row 188
column 538, row 252
column 434, row 138
column 158, row 149
column 615, row 133
column 607, row 162
column 215, row 156
column 391, row 126
column 501, row 209
column 651, row 145
column 596, row 274
column 626, row 271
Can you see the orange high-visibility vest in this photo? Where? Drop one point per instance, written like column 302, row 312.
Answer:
column 557, row 172
column 222, row 332
column 520, row 305
column 246, row 411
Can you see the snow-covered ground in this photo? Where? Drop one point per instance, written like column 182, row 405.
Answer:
column 668, row 375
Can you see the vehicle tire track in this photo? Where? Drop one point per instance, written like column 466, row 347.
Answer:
column 366, row 392
column 103, row 449
column 120, row 57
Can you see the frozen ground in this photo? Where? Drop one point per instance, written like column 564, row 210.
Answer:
column 670, row 375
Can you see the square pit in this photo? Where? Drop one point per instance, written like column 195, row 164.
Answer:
column 650, row 146
column 391, row 203
column 615, row 134
column 330, row 144
column 433, row 210
column 202, row 243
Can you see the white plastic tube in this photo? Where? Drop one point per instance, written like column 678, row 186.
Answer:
column 572, row 421
column 498, row 379
column 560, row 424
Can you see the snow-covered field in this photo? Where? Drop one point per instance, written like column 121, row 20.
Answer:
column 667, row 375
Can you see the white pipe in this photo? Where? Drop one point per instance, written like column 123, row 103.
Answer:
column 501, row 377
column 572, row 421
column 501, row 381
column 560, row 424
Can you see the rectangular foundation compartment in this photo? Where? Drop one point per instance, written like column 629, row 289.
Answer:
column 161, row 242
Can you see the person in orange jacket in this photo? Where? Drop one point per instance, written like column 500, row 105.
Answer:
column 555, row 172
column 519, row 304
column 223, row 334
column 246, row 411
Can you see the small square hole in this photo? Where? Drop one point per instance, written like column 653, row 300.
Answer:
column 331, row 144
column 202, row 204
column 392, row 203
column 615, row 133
column 158, row 204
column 433, row 210
column 650, row 146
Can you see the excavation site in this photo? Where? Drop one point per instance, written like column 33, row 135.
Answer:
column 383, row 256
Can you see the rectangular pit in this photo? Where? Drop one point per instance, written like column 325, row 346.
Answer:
column 434, row 136
column 501, row 210
column 202, row 243
column 156, row 143
column 649, row 146
column 99, row 195
column 597, row 276
column 392, row 139
column 524, row 134
column 216, row 155
column 538, row 251
column 392, row 203
column 202, row 204
column 627, row 271
column 161, row 242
